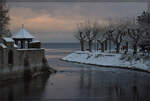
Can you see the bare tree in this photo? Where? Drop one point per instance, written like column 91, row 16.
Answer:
column 91, row 32
column 101, row 41
column 80, row 35
column 117, row 34
column 144, row 22
column 108, row 36
column 136, row 35
column 4, row 19
column 103, row 36
column 116, row 31
column 144, row 18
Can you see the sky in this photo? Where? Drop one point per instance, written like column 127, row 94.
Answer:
column 57, row 21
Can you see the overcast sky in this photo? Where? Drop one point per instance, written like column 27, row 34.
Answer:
column 56, row 21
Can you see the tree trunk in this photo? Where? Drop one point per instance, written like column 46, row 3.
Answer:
column 97, row 46
column 90, row 45
column 118, row 48
column 127, row 46
column 82, row 45
column 134, row 49
column 102, row 46
column 105, row 44
column 109, row 45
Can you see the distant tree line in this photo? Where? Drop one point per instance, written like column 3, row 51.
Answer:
column 137, row 34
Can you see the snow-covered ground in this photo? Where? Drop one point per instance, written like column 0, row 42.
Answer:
column 109, row 59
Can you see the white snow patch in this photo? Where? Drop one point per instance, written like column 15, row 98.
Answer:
column 35, row 41
column 2, row 45
column 105, row 59
column 7, row 39
column 23, row 34
column 15, row 45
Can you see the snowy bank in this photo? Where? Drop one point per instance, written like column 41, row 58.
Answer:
column 109, row 60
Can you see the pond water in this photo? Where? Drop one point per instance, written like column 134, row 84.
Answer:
column 78, row 82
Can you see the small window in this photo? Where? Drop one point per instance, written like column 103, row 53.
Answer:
column 19, row 44
column 26, row 44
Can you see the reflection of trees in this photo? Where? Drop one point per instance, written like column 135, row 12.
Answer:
column 135, row 93
column 115, row 90
column 113, row 87
column 89, row 78
column 89, row 82
column 85, row 81
column 82, row 78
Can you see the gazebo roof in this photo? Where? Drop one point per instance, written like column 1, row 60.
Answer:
column 23, row 34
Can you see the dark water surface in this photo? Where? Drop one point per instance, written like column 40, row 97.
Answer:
column 78, row 82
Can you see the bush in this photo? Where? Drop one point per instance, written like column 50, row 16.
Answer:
column 146, row 58
column 123, row 57
column 99, row 55
column 89, row 55
column 137, row 57
column 129, row 58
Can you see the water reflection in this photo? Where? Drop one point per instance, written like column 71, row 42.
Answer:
column 98, row 85
column 111, row 86
column 23, row 89
column 79, row 82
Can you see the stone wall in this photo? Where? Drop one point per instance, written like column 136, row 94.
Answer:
column 16, row 62
column 29, row 58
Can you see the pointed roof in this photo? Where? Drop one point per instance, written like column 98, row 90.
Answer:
column 23, row 34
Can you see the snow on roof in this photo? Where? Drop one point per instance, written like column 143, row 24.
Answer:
column 23, row 34
column 7, row 39
column 35, row 41
column 2, row 45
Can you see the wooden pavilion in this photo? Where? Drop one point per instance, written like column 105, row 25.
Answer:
column 23, row 38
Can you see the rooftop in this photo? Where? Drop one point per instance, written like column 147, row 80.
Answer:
column 23, row 34
column 2, row 45
column 7, row 39
column 35, row 41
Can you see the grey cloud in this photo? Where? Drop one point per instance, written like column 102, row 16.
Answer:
column 102, row 10
column 72, row 12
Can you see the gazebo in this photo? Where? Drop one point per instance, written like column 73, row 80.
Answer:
column 23, row 38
